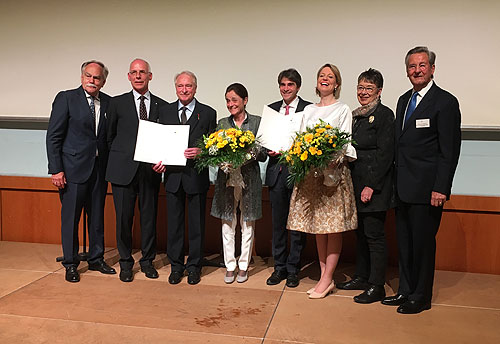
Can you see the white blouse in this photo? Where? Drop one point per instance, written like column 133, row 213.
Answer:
column 337, row 115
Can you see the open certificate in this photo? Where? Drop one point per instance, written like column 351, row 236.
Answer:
column 160, row 142
column 277, row 131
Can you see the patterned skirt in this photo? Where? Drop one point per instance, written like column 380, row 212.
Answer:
column 319, row 209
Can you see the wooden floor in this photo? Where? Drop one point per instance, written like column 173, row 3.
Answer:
column 38, row 306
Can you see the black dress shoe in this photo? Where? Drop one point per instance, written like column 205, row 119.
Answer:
column 126, row 275
column 373, row 294
column 276, row 277
column 149, row 271
column 395, row 300
column 175, row 277
column 357, row 283
column 413, row 307
column 194, row 277
column 292, row 280
column 72, row 274
column 102, row 267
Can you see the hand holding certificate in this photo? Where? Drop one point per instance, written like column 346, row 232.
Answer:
column 276, row 131
column 159, row 142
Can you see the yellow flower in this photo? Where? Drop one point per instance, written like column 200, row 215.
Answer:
column 334, row 145
column 303, row 156
column 308, row 137
column 319, row 152
column 288, row 158
column 313, row 150
column 320, row 130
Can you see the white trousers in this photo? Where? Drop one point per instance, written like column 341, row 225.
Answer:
column 229, row 232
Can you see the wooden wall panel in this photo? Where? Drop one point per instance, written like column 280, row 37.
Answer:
column 468, row 239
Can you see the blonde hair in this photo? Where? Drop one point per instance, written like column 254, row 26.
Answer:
column 338, row 79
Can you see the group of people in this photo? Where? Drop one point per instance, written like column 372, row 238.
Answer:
column 405, row 161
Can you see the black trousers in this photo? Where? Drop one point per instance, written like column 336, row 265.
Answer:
column 280, row 203
column 371, row 254
column 176, row 204
column 416, row 229
column 74, row 197
column 146, row 188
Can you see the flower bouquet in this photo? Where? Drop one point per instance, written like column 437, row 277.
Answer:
column 315, row 148
column 228, row 149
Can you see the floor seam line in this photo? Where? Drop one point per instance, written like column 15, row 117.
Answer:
column 274, row 312
column 129, row 326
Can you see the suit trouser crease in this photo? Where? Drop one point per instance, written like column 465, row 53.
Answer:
column 416, row 229
column 125, row 196
column 176, row 204
column 280, row 196
column 371, row 254
column 74, row 197
column 228, row 237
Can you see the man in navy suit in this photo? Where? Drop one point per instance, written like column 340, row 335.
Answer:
column 285, row 265
column 131, row 179
column 185, row 182
column 428, row 142
column 77, row 155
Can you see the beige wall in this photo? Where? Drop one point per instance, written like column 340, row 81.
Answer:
column 43, row 44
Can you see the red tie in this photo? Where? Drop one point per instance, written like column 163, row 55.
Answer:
column 287, row 110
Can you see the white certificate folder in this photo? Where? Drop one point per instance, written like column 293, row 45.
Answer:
column 160, row 142
column 277, row 131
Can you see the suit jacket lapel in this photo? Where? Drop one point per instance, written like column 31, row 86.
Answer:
column 85, row 105
column 422, row 105
column 102, row 114
column 195, row 118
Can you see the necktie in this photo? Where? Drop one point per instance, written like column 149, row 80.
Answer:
column 92, row 110
column 411, row 106
column 287, row 110
column 183, row 115
column 142, row 109
column 92, row 107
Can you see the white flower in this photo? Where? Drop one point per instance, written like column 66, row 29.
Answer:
column 212, row 150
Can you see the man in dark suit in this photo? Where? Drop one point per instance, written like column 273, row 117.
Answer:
column 131, row 179
column 77, row 155
column 184, row 182
column 285, row 265
column 428, row 142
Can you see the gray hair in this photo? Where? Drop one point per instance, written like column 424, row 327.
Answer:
column 105, row 70
column 430, row 54
column 187, row 72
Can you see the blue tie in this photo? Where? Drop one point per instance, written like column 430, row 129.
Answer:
column 411, row 107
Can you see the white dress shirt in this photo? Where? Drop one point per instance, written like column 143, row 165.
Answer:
column 189, row 109
column 147, row 101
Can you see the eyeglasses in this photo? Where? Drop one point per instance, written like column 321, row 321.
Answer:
column 367, row 89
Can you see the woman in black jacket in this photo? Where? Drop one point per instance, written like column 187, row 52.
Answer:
column 372, row 176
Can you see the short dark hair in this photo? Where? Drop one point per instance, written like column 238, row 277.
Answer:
column 430, row 54
column 292, row 75
column 372, row 75
column 105, row 70
column 239, row 89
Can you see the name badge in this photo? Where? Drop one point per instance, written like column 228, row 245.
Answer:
column 423, row 123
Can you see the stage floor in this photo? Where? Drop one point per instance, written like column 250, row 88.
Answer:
column 38, row 306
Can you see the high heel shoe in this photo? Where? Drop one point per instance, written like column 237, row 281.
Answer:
column 315, row 295
column 310, row 291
